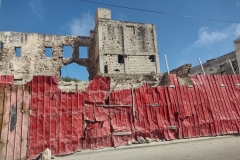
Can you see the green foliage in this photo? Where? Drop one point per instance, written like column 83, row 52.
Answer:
column 68, row 79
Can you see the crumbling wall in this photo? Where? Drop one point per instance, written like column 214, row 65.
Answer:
column 114, row 48
column 218, row 66
column 125, row 46
column 33, row 60
column 237, row 48
column 182, row 73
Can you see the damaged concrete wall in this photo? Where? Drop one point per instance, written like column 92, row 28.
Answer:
column 124, row 47
column 182, row 73
column 115, row 49
column 218, row 66
column 237, row 48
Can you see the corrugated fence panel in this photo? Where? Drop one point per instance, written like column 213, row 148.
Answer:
column 6, row 80
column 121, row 116
column 39, row 115
column 14, row 109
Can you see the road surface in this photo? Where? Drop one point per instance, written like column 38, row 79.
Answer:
column 220, row 148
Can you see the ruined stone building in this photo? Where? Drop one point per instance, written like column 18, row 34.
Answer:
column 221, row 65
column 115, row 49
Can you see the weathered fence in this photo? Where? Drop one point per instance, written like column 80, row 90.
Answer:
column 14, row 119
column 70, row 122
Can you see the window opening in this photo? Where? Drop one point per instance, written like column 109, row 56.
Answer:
column 48, row 51
column 83, row 52
column 67, row 51
column 235, row 64
column 120, row 59
column 18, row 51
column 74, row 72
column 223, row 73
column 1, row 46
column 105, row 69
column 222, row 67
column 236, row 70
column 152, row 58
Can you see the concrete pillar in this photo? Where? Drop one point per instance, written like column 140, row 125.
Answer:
column 125, row 49
column 237, row 48
column 100, row 43
column 156, row 50
column 101, row 61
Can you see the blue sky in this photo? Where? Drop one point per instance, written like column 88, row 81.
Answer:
column 183, row 40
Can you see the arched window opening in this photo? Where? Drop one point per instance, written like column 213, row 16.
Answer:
column 74, row 72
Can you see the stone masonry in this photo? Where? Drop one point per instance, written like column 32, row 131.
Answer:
column 32, row 60
column 123, row 47
column 115, row 48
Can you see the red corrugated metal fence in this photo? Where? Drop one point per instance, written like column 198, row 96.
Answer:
column 70, row 122
column 14, row 120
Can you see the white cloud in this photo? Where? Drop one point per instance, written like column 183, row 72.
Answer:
column 206, row 36
column 81, row 26
column 37, row 9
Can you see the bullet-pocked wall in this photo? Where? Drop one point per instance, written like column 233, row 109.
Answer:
column 113, row 47
column 125, row 47
column 24, row 54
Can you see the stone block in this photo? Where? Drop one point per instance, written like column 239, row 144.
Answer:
column 102, row 13
column 45, row 155
column 141, row 140
column 134, row 141
column 148, row 140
